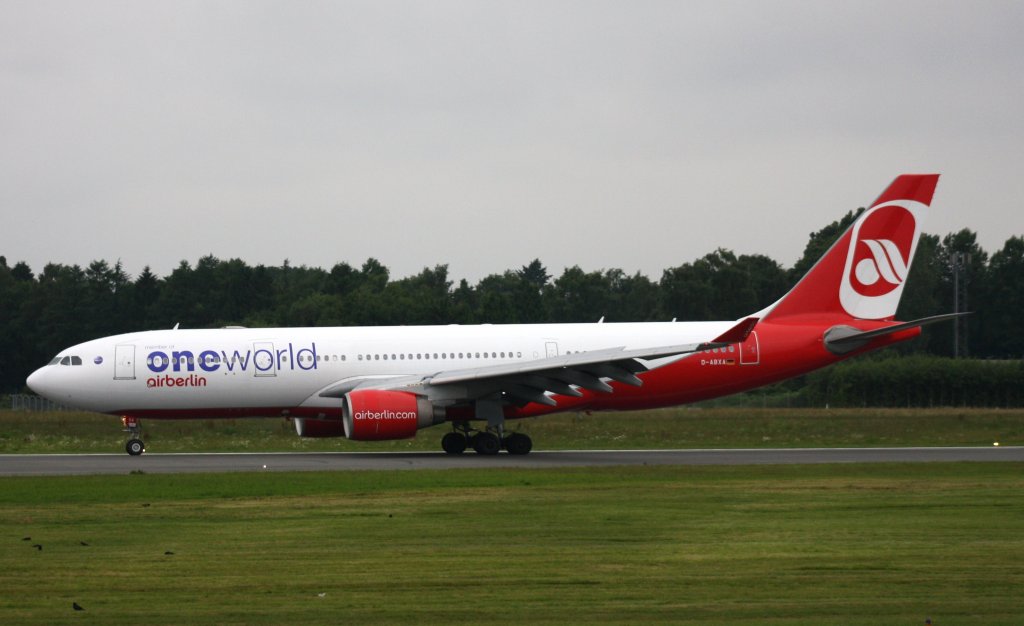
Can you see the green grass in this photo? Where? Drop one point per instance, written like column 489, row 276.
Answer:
column 24, row 432
column 844, row 544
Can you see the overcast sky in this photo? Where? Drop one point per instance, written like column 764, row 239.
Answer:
column 635, row 135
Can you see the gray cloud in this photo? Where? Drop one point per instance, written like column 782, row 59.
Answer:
column 483, row 135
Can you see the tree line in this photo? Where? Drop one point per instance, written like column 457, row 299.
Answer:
column 42, row 313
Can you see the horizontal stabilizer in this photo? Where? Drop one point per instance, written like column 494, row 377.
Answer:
column 843, row 339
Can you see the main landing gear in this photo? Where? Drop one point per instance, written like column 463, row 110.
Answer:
column 484, row 441
column 134, row 446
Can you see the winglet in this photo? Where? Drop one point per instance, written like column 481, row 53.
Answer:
column 738, row 333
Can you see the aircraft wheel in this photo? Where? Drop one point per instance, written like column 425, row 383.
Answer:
column 486, row 443
column 135, row 447
column 518, row 443
column 454, row 443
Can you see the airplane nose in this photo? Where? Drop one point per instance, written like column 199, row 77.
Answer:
column 37, row 382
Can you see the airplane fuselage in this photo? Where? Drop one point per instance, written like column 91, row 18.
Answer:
column 239, row 372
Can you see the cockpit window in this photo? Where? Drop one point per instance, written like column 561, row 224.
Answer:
column 55, row 361
column 65, row 361
column 76, row 360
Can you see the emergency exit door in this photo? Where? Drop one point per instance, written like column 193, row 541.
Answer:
column 124, row 362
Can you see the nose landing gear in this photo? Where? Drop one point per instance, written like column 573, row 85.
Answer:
column 134, row 446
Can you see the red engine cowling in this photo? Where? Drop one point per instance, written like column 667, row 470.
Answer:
column 374, row 415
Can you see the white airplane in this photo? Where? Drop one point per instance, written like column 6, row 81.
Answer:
column 379, row 383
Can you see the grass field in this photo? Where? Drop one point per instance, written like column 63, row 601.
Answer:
column 802, row 545
column 844, row 544
column 684, row 427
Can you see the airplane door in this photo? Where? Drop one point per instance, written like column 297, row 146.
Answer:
column 550, row 348
column 263, row 359
column 750, row 353
column 124, row 362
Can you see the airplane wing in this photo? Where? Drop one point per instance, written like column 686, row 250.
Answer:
column 531, row 381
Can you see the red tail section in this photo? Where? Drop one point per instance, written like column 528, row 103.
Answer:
column 863, row 274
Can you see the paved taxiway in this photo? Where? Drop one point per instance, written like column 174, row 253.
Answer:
column 155, row 463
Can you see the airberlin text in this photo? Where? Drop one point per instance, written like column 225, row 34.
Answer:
column 176, row 381
column 263, row 359
column 385, row 415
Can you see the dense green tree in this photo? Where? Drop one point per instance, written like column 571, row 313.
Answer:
column 145, row 295
column 1004, row 300
column 635, row 298
column 579, row 296
column 421, row 299
column 972, row 282
column 496, row 299
column 721, row 285
column 819, row 242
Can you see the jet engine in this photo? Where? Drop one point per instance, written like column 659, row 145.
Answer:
column 374, row 415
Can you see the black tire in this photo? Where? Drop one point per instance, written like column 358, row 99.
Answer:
column 486, row 443
column 454, row 443
column 518, row 443
column 135, row 447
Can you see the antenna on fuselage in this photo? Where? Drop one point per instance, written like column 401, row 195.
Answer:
column 176, row 326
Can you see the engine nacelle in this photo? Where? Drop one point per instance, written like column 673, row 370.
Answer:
column 374, row 415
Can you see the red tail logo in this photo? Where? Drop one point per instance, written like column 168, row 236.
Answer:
column 882, row 245
column 881, row 255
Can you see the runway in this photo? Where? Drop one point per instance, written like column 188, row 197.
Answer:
column 155, row 463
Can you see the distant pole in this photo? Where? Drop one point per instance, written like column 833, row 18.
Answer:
column 958, row 263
